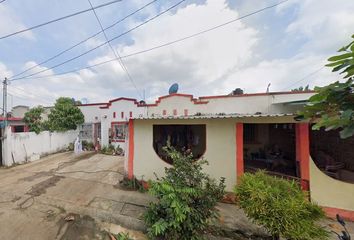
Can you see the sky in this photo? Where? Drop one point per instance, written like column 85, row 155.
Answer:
column 285, row 46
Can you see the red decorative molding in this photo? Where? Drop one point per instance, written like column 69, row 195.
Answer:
column 130, row 114
column 200, row 100
column 175, row 112
column 114, row 114
column 122, row 115
column 332, row 212
column 11, row 119
column 91, row 104
column 253, row 94
column 194, row 100
column 185, row 112
column 164, row 112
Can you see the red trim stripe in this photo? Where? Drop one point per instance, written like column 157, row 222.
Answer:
column 131, row 150
column 239, row 150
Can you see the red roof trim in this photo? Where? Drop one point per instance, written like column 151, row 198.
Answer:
column 255, row 94
column 91, row 104
column 11, row 119
column 194, row 100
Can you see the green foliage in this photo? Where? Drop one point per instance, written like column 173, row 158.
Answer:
column 186, row 199
column 65, row 115
column 333, row 106
column 70, row 147
column 87, row 146
column 301, row 89
column 122, row 236
column 280, row 206
column 33, row 119
column 111, row 150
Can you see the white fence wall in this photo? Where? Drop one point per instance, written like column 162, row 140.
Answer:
column 29, row 146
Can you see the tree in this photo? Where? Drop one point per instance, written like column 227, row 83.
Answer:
column 333, row 105
column 33, row 118
column 301, row 89
column 65, row 115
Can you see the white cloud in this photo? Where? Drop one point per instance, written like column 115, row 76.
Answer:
column 10, row 22
column 214, row 63
column 200, row 60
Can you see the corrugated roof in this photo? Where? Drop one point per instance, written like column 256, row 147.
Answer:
column 213, row 116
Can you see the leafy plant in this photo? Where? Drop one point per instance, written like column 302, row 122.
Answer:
column 333, row 105
column 122, row 236
column 33, row 118
column 186, row 199
column 88, row 146
column 65, row 115
column 280, row 206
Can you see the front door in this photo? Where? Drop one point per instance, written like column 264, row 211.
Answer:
column 96, row 132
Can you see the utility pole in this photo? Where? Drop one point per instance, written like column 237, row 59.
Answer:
column 4, row 102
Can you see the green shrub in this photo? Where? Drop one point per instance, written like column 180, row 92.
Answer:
column 186, row 199
column 280, row 206
column 70, row 147
column 122, row 236
column 87, row 146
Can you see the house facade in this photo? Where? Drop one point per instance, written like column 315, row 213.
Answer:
column 236, row 134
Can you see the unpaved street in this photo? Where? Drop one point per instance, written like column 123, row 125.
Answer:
column 36, row 197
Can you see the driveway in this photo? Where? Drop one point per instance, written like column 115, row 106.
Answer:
column 68, row 196
column 36, row 197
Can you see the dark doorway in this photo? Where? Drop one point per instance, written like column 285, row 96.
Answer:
column 270, row 147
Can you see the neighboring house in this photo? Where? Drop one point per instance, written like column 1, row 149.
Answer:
column 19, row 111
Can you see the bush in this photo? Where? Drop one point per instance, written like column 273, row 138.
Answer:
column 186, row 199
column 70, row 147
column 280, row 206
column 122, row 236
column 87, row 146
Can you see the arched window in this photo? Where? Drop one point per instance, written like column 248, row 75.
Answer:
column 182, row 137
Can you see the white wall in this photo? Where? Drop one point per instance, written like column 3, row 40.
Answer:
column 220, row 149
column 27, row 146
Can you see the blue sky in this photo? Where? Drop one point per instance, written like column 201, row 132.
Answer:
column 278, row 46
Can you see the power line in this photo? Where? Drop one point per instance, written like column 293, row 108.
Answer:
column 116, row 54
column 31, row 94
column 58, row 19
column 85, row 40
column 98, row 46
column 160, row 46
column 303, row 78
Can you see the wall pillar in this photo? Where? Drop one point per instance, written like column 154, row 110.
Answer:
column 239, row 150
column 131, row 149
column 303, row 153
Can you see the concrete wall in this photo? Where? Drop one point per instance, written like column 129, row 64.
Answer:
column 329, row 192
column 19, row 111
column 29, row 146
column 220, row 149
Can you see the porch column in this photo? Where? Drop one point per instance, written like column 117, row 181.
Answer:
column 303, row 153
column 239, row 150
column 131, row 149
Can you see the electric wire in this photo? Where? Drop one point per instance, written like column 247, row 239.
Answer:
column 116, row 54
column 57, row 19
column 158, row 46
column 305, row 77
column 85, row 40
column 100, row 45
